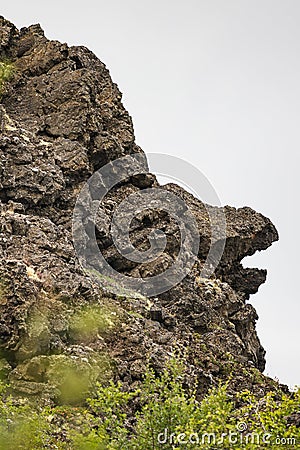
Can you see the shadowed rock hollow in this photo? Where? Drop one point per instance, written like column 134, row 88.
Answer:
column 61, row 119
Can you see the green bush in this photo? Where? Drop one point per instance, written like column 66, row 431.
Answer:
column 171, row 418
column 21, row 427
column 160, row 414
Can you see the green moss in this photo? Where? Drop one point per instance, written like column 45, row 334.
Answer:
column 6, row 72
column 135, row 314
column 90, row 322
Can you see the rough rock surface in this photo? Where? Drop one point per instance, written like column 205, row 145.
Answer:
column 61, row 118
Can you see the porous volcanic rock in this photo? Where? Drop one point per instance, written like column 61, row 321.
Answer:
column 61, row 119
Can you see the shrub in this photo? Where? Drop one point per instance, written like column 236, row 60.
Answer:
column 21, row 427
column 161, row 414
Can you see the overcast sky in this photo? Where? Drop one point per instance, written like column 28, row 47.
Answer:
column 217, row 83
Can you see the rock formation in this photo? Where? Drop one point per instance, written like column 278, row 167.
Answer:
column 61, row 119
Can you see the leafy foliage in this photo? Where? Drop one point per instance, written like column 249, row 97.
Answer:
column 160, row 414
column 20, row 425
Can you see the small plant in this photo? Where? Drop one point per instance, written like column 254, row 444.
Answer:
column 20, row 425
column 6, row 71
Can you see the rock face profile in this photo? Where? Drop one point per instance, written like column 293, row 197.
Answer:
column 62, row 119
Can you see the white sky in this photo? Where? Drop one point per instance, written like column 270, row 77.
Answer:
column 217, row 83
